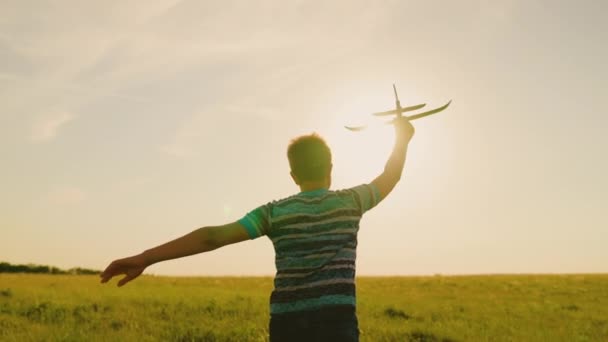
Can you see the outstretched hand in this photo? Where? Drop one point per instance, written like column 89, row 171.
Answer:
column 404, row 128
column 131, row 267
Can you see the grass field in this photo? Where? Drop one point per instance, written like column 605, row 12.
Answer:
column 437, row 308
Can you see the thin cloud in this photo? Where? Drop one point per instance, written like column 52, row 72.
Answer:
column 47, row 128
column 66, row 195
column 266, row 113
column 177, row 150
column 193, row 133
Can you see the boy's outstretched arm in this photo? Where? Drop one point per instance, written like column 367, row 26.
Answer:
column 404, row 131
column 198, row 241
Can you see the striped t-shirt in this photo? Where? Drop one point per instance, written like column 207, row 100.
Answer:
column 314, row 234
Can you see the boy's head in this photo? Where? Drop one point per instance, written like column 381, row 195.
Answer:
column 310, row 160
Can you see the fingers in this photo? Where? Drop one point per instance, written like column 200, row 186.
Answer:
column 115, row 268
column 130, row 276
column 122, row 266
column 108, row 273
column 404, row 128
column 402, row 123
column 106, row 278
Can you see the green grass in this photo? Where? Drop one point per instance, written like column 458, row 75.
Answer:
column 463, row 308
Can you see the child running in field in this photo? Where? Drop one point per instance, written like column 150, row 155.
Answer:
column 314, row 234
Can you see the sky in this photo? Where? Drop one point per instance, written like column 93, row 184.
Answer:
column 125, row 124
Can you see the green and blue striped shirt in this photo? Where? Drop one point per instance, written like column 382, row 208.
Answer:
column 314, row 234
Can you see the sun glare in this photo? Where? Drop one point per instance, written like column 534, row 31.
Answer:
column 359, row 156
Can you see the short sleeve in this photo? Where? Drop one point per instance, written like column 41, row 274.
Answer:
column 366, row 196
column 257, row 221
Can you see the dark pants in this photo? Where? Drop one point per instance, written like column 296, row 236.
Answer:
column 335, row 324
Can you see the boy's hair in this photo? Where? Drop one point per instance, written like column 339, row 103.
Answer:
column 309, row 157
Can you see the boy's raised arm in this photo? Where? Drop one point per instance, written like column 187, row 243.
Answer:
column 198, row 241
column 404, row 131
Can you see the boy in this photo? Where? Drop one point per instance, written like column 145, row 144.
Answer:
column 314, row 234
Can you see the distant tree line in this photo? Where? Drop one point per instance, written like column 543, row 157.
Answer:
column 5, row 267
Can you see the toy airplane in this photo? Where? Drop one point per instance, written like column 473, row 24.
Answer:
column 398, row 111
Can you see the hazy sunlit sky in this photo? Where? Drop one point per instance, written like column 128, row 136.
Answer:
column 125, row 124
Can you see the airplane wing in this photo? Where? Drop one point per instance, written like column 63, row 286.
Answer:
column 388, row 112
column 403, row 110
column 436, row 110
column 355, row 128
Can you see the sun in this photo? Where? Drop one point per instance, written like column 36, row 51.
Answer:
column 358, row 156
column 361, row 156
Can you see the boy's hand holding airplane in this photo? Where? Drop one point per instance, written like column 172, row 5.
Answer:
column 404, row 129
